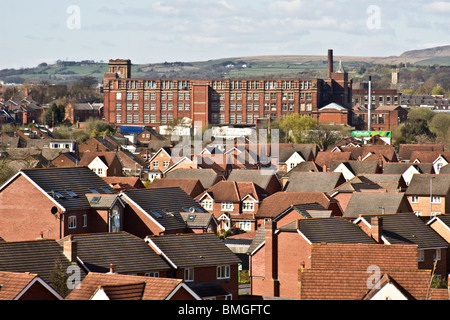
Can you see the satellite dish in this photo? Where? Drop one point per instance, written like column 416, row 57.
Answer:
column 54, row 210
column 191, row 209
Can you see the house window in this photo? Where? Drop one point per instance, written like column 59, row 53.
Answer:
column 245, row 225
column 156, row 163
column 152, row 274
column 415, row 199
column 189, row 274
column 166, row 163
column 227, row 206
column 223, row 272
column 84, row 220
column 118, row 95
column 248, row 206
column 72, row 222
column 99, row 171
column 437, row 256
column 435, row 199
column 420, row 255
column 207, row 204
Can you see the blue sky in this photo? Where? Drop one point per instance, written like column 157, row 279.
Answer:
column 150, row 31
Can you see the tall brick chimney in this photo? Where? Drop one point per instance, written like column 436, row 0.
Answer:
column 271, row 248
column 70, row 249
column 376, row 228
column 330, row 63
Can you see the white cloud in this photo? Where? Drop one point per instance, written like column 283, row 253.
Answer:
column 437, row 7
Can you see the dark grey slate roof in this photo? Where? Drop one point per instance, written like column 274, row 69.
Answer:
column 420, row 184
column 207, row 289
column 164, row 205
column 206, row 176
column 128, row 253
column 357, row 167
column 258, row 177
column 195, row 250
column 330, row 230
column 372, row 203
column 37, row 256
column 314, row 181
column 400, row 167
column 57, row 181
column 409, row 229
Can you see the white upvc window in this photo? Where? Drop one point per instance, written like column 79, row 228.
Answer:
column 248, row 205
column 189, row 274
column 436, row 199
column 85, row 220
column 226, row 206
column 414, row 199
column 223, row 272
column 72, row 222
column 152, row 274
column 437, row 256
column 245, row 225
column 207, row 204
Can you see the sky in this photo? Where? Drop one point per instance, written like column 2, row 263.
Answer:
column 153, row 31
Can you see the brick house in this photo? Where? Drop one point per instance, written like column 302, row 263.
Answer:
column 41, row 257
column 234, row 204
column 53, row 203
column 157, row 211
column 441, row 224
column 193, row 187
column 268, row 181
column 104, row 164
column 120, row 251
column 365, row 272
column 409, row 229
column 423, row 202
column 161, row 160
column 280, row 202
column 277, row 253
column 112, row 286
column 204, row 262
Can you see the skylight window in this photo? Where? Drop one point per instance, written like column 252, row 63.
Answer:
column 96, row 199
column 72, row 194
column 57, row 194
column 94, row 190
column 157, row 214
column 106, row 190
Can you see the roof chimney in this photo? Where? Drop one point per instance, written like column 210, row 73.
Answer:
column 70, row 249
column 270, row 258
column 111, row 268
column 376, row 227
column 330, row 63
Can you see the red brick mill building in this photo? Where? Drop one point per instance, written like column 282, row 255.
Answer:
column 156, row 102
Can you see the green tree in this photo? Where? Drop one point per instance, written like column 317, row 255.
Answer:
column 296, row 127
column 325, row 135
column 58, row 278
column 438, row 91
column 55, row 115
column 440, row 124
column 414, row 128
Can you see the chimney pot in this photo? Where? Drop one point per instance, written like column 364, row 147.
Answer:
column 111, row 268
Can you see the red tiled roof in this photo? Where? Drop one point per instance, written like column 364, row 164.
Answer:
column 280, row 201
column 12, row 284
column 155, row 288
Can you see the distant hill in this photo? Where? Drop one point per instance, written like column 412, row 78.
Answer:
column 429, row 53
column 282, row 66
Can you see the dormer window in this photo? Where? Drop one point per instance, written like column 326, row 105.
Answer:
column 248, row 205
column 227, row 206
